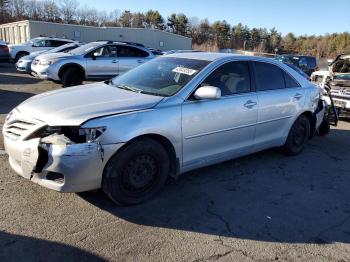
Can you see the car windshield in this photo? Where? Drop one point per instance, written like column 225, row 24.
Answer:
column 58, row 49
column 163, row 76
column 84, row 48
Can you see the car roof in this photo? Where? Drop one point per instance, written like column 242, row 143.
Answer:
column 54, row 38
column 291, row 55
column 209, row 56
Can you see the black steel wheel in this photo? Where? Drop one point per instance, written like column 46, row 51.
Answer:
column 136, row 173
column 72, row 77
column 298, row 136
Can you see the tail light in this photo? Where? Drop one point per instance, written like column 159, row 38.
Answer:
column 5, row 48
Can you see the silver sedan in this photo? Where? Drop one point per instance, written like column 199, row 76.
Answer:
column 170, row 115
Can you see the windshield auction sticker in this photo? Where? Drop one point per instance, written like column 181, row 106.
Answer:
column 184, row 70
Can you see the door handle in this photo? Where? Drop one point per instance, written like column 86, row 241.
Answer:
column 298, row 96
column 114, row 61
column 250, row 104
column 139, row 61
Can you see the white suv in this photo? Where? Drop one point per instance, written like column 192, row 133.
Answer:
column 36, row 44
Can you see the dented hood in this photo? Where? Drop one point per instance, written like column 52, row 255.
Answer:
column 75, row 105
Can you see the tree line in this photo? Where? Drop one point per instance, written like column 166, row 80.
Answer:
column 205, row 35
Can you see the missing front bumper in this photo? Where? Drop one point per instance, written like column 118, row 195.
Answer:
column 80, row 165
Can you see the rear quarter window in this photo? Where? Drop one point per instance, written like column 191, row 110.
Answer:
column 290, row 81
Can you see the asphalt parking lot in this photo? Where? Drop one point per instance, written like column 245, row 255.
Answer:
column 263, row 207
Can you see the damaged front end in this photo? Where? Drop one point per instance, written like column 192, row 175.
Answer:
column 339, row 82
column 65, row 159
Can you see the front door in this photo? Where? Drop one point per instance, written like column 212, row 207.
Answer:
column 102, row 63
column 215, row 130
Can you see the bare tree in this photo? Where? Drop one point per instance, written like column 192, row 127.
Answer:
column 17, row 8
column 68, row 10
column 51, row 11
column 34, row 10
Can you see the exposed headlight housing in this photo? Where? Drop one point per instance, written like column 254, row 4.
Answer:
column 73, row 133
column 91, row 134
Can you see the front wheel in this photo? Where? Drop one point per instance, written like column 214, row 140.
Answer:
column 136, row 173
column 297, row 137
column 72, row 77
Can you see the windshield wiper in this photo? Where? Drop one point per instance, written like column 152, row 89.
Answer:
column 130, row 88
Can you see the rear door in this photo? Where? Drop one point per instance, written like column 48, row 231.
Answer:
column 280, row 98
column 104, row 65
column 130, row 57
column 215, row 130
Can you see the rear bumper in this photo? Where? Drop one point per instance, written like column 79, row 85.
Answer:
column 78, row 167
column 337, row 100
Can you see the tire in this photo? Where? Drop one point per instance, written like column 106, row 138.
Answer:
column 324, row 128
column 137, row 173
column 297, row 137
column 20, row 55
column 72, row 77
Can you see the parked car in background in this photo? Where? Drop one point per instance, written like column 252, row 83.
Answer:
column 24, row 63
column 170, row 115
column 297, row 69
column 4, row 52
column 156, row 51
column 36, row 44
column 306, row 63
column 337, row 78
column 99, row 60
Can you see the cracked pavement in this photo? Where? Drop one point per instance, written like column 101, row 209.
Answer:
column 261, row 207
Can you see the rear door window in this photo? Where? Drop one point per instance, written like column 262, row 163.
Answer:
column 129, row 51
column 268, row 76
column 56, row 43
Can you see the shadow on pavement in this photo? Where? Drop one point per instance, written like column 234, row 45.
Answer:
column 10, row 99
column 22, row 79
column 22, row 248
column 7, row 68
column 264, row 197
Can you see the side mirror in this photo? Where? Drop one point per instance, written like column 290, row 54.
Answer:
column 207, row 92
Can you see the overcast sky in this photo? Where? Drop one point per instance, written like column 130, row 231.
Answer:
column 297, row 16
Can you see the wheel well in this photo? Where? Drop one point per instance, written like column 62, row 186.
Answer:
column 312, row 119
column 68, row 66
column 22, row 52
column 174, row 161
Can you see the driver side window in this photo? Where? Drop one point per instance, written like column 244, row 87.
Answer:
column 40, row 43
column 105, row 51
column 232, row 78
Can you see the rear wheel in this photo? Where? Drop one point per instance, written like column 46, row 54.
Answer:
column 297, row 137
column 324, row 127
column 72, row 77
column 137, row 173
